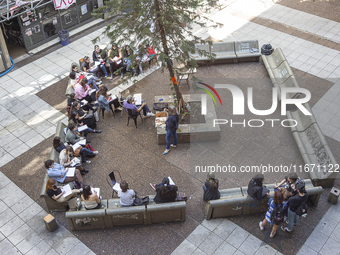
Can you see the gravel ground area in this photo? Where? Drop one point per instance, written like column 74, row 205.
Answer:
column 135, row 153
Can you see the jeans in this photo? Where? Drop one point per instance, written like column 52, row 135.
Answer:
column 145, row 108
column 102, row 66
column 168, row 135
column 87, row 131
column 292, row 219
column 84, row 153
column 92, row 83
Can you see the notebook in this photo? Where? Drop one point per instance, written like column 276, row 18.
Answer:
column 138, row 98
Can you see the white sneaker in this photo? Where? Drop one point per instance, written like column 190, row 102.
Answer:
column 260, row 225
column 173, row 146
column 150, row 114
column 88, row 162
column 95, row 152
column 99, row 82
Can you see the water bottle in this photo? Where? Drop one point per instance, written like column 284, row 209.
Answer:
column 78, row 203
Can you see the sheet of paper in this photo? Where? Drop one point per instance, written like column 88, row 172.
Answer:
column 116, row 187
column 75, row 146
column 91, row 91
column 67, row 189
column 138, row 98
column 171, row 182
column 82, row 142
column 82, row 128
column 70, row 172
column 97, row 190
column 75, row 161
column 97, row 63
column 112, row 98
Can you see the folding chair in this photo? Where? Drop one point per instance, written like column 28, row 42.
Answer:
column 111, row 180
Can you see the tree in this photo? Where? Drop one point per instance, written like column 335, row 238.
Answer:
column 167, row 25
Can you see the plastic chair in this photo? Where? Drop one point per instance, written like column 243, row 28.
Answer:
column 133, row 116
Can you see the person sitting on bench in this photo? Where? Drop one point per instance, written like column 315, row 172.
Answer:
column 126, row 195
column 165, row 192
column 91, row 199
column 256, row 189
column 58, row 173
column 210, row 188
column 55, row 192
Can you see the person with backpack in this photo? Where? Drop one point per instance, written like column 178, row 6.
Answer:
column 210, row 188
column 297, row 206
column 275, row 214
column 256, row 189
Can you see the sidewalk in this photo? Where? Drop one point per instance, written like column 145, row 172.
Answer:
column 22, row 230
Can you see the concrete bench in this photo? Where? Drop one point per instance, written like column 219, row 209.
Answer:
column 319, row 160
column 112, row 215
column 223, row 52
column 244, row 51
column 280, row 72
column 227, row 52
column 51, row 204
column 123, row 216
column 88, row 219
column 236, row 201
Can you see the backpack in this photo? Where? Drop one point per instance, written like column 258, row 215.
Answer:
column 302, row 209
column 266, row 49
column 278, row 214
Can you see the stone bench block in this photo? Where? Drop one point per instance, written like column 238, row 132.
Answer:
column 165, row 212
column 87, row 219
column 303, row 121
column 275, row 59
column 282, row 72
column 244, row 52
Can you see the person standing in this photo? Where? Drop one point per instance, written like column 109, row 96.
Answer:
column 295, row 205
column 171, row 129
column 275, row 213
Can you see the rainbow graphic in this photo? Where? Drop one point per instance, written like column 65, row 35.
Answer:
column 209, row 93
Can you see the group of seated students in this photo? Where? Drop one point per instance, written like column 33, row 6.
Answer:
column 119, row 61
column 82, row 108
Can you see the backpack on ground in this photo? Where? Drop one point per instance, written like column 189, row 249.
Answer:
column 278, row 214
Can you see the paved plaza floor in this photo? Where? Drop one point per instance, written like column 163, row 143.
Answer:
column 33, row 102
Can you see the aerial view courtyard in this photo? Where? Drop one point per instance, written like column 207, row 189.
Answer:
column 236, row 126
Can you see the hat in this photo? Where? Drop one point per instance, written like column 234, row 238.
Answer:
column 211, row 175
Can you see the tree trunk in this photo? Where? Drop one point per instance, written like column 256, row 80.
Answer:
column 166, row 52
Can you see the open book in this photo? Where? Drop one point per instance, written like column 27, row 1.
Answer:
column 67, row 189
column 116, row 187
column 171, row 182
column 82, row 128
column 138, row 98
column 75, row 161
column 97, row 190
column 71, row 171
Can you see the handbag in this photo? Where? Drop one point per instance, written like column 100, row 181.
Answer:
column 141, row 201
column 160, row 106
column 76, row 153
column 181, row 196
